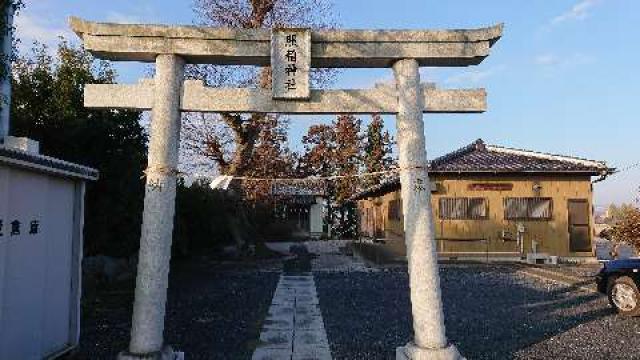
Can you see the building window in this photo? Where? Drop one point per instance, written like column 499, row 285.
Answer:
column 533, row 208
column 394, row 211
column 463, row 208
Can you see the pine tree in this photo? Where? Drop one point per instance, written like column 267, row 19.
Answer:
column 348, row 155
column 378, row 150
column 348, row 163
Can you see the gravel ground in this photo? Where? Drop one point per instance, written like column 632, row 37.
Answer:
column 586, row 271
column 214, row 311
column 492, row 312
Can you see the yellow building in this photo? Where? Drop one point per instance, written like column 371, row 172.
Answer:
column 496, row 202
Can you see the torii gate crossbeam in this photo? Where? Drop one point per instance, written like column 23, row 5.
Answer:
column 172, row 47
column 196, row 97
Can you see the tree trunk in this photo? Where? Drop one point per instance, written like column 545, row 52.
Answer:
column 245, row 133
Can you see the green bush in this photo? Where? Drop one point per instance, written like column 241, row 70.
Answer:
column 48, row 107
column 201, row 219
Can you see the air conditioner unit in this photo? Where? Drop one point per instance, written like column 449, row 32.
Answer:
column 541, row 259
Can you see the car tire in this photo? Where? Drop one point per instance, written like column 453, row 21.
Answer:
column 624, row 296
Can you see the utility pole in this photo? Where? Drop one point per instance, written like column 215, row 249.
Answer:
column 5, row 63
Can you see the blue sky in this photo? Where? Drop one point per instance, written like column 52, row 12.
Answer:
column 563, row 79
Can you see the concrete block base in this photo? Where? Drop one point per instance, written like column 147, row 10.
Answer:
column 413, row 352
column 166, row 354
column 21, row 143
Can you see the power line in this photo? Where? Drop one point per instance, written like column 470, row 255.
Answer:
column 627, row 168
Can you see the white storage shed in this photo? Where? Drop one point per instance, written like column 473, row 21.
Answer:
column 41, row 221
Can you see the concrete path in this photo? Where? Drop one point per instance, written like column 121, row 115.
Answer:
column 294, row 329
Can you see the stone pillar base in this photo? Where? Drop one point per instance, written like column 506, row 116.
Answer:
column 413, row 352
column 166, row 354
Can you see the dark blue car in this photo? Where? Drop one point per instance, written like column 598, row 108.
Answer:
column 619, row 280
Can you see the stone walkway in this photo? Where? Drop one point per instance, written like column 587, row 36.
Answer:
column 294, row 329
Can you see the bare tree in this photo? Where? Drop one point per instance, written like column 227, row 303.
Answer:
column 247, row 145
column 232, row 146
column 626, row 229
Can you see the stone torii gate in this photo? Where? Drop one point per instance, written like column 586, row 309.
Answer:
column 291, row 53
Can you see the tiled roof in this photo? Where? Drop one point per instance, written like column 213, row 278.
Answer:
column 479, row 157
column 46, row 164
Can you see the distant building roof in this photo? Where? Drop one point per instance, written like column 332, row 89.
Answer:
column 481, row 158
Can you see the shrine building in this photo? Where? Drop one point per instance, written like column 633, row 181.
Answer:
column 302, row 207
column 496, row 203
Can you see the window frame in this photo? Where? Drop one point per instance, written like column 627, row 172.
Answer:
column 529, row 209
column 467, row 213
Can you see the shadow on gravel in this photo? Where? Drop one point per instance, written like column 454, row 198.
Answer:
column 214, row 311
column 578, row 286
column 491, row 312
column 300, row 263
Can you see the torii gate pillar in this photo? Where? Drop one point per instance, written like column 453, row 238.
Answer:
column 157, row 218
column 430, row 341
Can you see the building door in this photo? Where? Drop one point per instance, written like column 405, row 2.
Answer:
column 379, row 223
column 369, row 222
column 579, row 229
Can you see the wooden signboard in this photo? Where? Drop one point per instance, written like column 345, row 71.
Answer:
column 290, row 63
column 310, row 188
column 490, row 187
